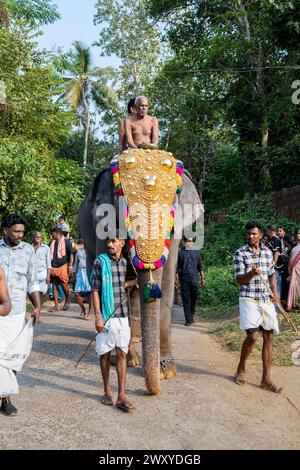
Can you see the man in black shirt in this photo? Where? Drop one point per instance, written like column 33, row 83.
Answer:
column 189, row 267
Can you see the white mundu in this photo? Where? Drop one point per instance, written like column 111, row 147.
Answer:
column 254, row 313
column 116, row 335
column 15, row 345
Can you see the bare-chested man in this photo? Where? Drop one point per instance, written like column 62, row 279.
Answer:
column 141, row 129
column 132, row 116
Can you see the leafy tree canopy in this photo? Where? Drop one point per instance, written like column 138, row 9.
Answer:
column 31, row 84
column 38, row 186
column 34, row 13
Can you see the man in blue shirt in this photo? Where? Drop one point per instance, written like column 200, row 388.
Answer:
column 189, row 269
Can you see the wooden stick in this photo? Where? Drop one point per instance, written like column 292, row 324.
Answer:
column 85, row 351
column 284, row 313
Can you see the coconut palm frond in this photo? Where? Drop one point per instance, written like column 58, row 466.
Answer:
column 104, row 96
column 72, row 93
column 65, row 95
column 83, row 58
column 75, row 96
column 107, row 73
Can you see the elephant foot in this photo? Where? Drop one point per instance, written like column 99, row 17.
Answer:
column 167, row 368
column 133, row 361
column 136, row 339
column 171, row 372
column 132, row 357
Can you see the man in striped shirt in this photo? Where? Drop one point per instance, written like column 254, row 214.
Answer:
column 254, row 267
column 114, row 333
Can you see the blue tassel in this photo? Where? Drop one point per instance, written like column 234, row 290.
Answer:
column 152, row 292
column 155, row 291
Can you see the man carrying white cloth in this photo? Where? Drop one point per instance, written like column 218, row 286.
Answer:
column 257, row 312
column 18, row 261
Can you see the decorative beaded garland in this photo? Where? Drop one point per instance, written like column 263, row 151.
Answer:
column 137, row 261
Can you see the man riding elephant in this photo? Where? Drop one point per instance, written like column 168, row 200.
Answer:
column 141, row 129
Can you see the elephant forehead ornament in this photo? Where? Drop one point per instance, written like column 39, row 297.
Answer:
column 149, row 180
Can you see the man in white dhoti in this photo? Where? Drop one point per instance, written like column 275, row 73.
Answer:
column 257, row 312
column 18, row 261
column 110, row 304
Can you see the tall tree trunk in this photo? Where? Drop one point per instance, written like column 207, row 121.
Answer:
column 87, row 128
column 243, row 20
column 262, row 95
column 113, row 144
column 86, row 141
column 258, row 63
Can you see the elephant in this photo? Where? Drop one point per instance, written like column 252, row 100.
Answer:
column 158, row 362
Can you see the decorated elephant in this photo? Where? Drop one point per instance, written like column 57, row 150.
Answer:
column 138, row 180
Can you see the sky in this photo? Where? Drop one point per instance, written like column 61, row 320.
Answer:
column 76, row 23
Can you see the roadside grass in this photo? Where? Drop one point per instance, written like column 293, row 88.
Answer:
column 217, row 313
column 228, row 334
column 29, row 307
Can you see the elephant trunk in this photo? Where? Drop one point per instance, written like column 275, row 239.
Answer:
column 150, row 326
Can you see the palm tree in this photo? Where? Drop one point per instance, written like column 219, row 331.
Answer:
column 88, row 84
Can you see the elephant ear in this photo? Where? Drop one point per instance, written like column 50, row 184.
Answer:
column 190, row 202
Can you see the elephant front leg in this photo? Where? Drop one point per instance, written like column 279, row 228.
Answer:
column 135, row 315
column 167, row 362
column 133, row 359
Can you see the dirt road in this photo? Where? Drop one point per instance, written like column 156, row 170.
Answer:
column 201, row 408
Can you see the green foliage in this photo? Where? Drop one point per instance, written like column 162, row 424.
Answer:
column 30, row 110
column 129, row 34
column 221, row 290
column 100, row 153
column 223, row 238
column 87, row 84
column 33, row 12
column 38, row 186
column 227, row 179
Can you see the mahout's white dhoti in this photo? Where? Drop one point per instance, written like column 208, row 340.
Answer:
column 16, row 335
column 116, row 335
column 254, row 314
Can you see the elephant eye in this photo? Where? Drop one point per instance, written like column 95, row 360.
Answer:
column 166, row 163
column 130, row 161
